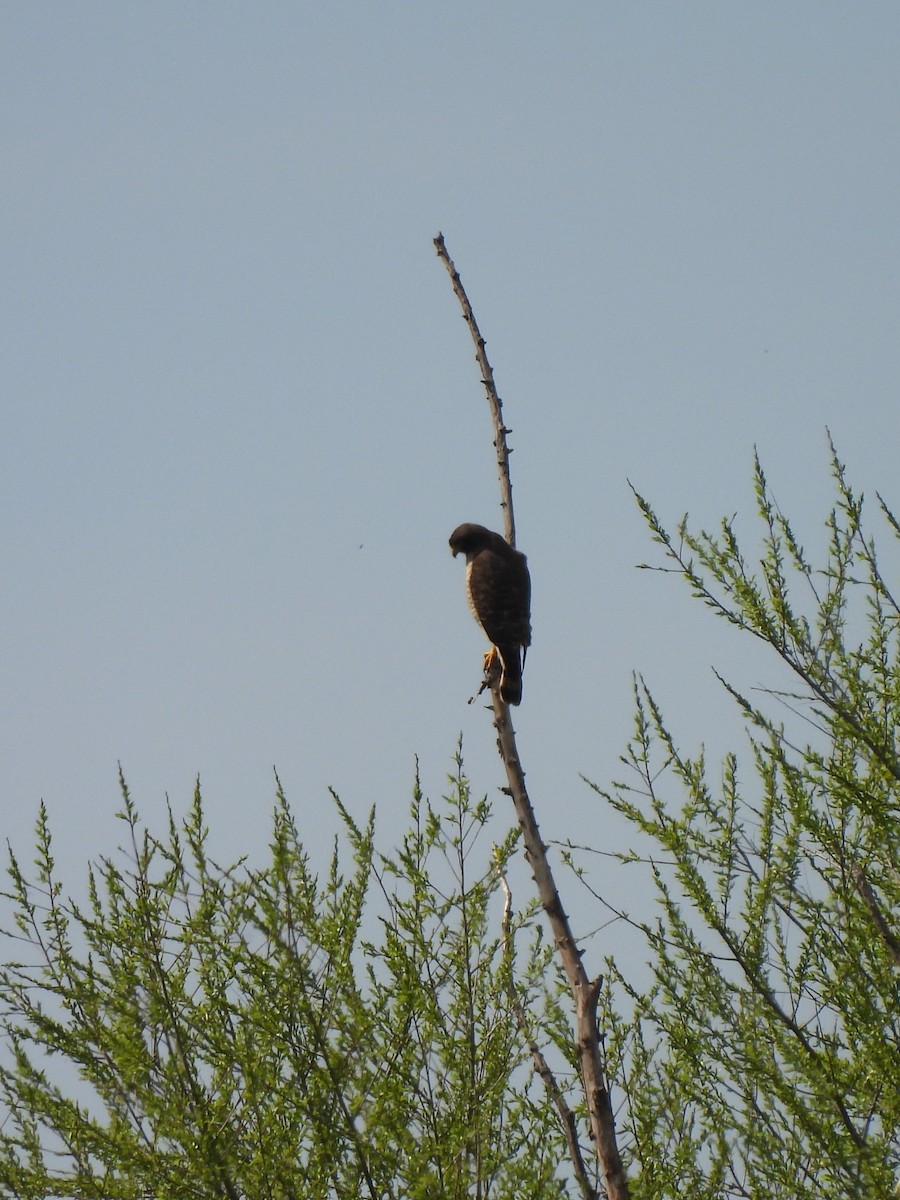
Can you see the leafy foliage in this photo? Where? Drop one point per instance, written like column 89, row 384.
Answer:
column 200, row 1031
column 764, row 1060
column 233, row 1033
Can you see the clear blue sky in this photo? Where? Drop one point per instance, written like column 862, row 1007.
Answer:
column 241, row 414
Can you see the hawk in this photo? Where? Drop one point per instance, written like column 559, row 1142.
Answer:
column 499, row 589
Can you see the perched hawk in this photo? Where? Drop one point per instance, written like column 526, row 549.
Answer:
column 499, row 589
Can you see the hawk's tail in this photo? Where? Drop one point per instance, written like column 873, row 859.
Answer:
column 511, row 678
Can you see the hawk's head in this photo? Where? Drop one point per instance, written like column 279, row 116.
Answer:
column 468, row 539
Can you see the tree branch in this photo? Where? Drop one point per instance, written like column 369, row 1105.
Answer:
column 585, row 991
column 870, row 897
column 541, row 1066
column 494, row 401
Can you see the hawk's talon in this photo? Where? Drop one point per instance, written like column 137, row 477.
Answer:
column 493, row 668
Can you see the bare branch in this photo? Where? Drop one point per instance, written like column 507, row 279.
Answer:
column 494, row 401
column 585, row 991
column 541, row 1066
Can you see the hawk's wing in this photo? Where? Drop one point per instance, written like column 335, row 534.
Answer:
column 499, row 588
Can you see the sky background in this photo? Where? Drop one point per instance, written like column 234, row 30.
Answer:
column 241, row 414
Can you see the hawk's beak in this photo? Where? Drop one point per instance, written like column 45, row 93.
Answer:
column 454, row 551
